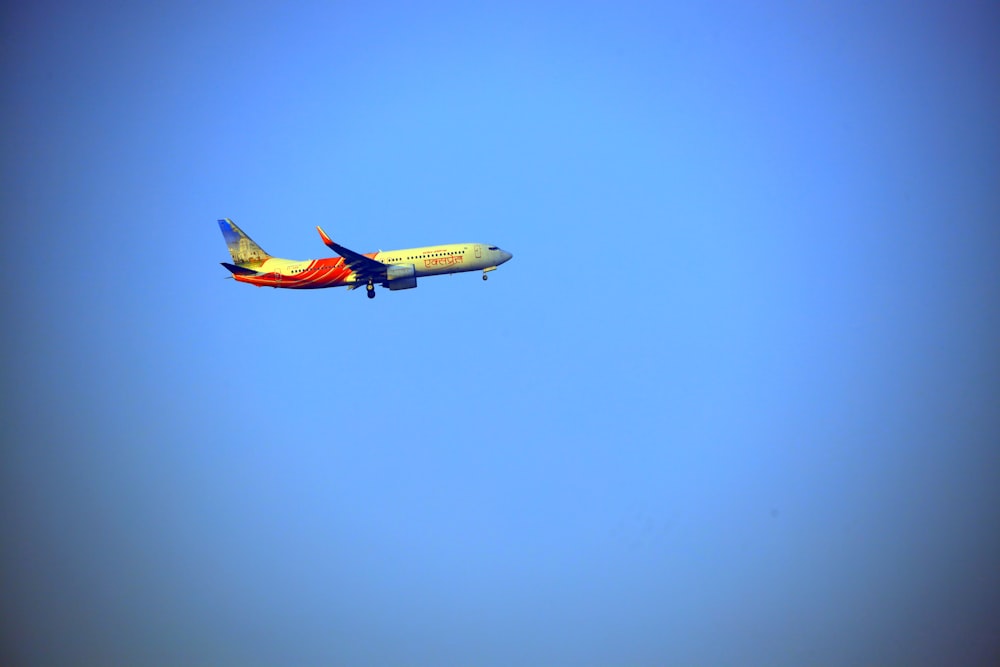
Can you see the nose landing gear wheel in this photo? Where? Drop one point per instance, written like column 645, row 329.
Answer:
column 485, row 277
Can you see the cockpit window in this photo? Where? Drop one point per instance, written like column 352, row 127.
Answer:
column 493, row 247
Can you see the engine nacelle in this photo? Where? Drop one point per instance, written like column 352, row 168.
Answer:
column 400, row 276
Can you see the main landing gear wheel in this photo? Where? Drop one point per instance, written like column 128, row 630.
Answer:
column 371, row 290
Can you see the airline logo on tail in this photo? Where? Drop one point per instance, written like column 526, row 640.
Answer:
column 245, row 252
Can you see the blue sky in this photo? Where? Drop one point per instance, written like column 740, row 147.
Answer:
column 732, row 402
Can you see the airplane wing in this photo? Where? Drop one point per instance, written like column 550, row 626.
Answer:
column 365, row 268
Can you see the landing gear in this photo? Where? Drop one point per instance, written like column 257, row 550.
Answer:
column 371, row 289
column 485, row 277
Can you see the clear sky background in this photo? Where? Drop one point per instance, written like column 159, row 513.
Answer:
column 733, row 402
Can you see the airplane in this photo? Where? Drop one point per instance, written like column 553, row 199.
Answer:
column 395, row 269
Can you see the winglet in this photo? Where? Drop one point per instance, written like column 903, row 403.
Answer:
column 346, row 253
column 326, row 239
column 363, row 266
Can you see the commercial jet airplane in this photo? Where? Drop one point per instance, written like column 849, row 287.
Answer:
column 395, row 269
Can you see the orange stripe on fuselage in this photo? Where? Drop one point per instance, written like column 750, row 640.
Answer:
column 320, row 273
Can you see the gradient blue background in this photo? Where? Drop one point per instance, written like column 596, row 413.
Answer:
column 734, row 401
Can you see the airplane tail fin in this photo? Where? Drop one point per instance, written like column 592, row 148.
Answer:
column 244, row 251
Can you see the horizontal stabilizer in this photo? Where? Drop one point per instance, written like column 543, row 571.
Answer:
column 239, row 270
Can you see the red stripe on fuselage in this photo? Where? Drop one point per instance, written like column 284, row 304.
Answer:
column 320, row 273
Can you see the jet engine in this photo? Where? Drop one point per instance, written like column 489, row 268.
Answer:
column 400, row 276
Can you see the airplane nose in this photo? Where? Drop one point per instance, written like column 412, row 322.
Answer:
column 505, row 256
